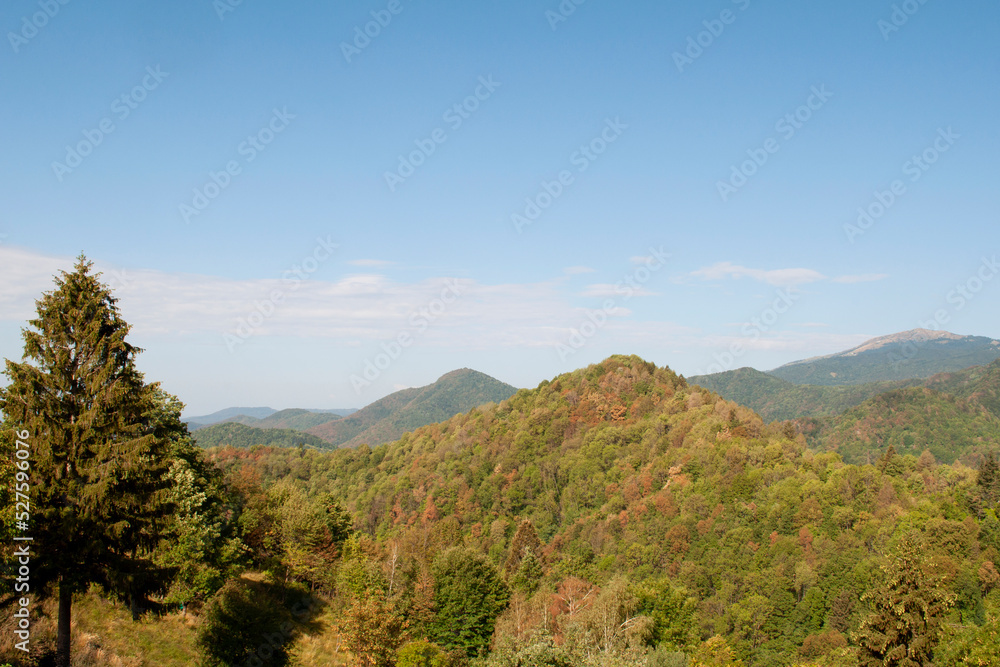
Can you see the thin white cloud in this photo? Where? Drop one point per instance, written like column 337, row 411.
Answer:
column 576, row 270
column 371, row 263
column 354, row 310
column 861, row 278
column 642, row 260
column 602, row 290
column 777, row 277
column 805, row 344
column 357, row 311
column 24, row 275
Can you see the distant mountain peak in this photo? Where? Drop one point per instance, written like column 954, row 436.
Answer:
column 920, row 335
column 917, row 353
column 913, row 335
column 389, row 417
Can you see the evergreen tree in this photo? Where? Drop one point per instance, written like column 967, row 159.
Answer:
column 98, row 462
column 890, row 463
column 908, row 608
column 988, row 479
column 525, row 540
column 469, row 595
column 528, row 575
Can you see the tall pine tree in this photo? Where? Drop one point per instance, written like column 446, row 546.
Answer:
column 98, row 459
column 908, row 607
column 988, row 479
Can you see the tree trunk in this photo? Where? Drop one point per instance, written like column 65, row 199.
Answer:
column 63, row 637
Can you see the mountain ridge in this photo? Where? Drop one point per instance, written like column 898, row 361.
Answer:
column 905, row 355
column 389, row 417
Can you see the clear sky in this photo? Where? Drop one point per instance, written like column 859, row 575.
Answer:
column 522, row 188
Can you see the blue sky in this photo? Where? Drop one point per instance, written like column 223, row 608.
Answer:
column 831, row 99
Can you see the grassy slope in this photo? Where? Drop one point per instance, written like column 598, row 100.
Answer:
column 105, row 635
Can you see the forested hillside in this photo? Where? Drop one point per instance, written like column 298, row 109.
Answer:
column 613, row 516
column 775, row 399
column 632, row 517
column 292, row 418
column 918, row 353
column 388, row 418
column 980, row 384
column 232, row 434
column 911, row 421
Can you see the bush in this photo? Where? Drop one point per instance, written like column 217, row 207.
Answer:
column 422, row 654
column 247, row 622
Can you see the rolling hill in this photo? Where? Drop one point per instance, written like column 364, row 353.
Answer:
column 390, row 417
column 919, row 353
column 226, row 415
column 979, row 383
column 229, row 434
column 293, row 418
column 911, row 420
column 826, row 386
column 775, row 399
column 625, row 483
column 953, row 415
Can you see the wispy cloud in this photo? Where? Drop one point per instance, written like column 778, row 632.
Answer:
column 371, row 263
column 602, row 290
column 576, row 270
column 640, row 260
column 777, row 277
column 24, row 275
column 861, row 278
column 796, row 344
column 353, row 310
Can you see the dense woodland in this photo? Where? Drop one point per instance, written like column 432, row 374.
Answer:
column 232, row 434
column 615, row 515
